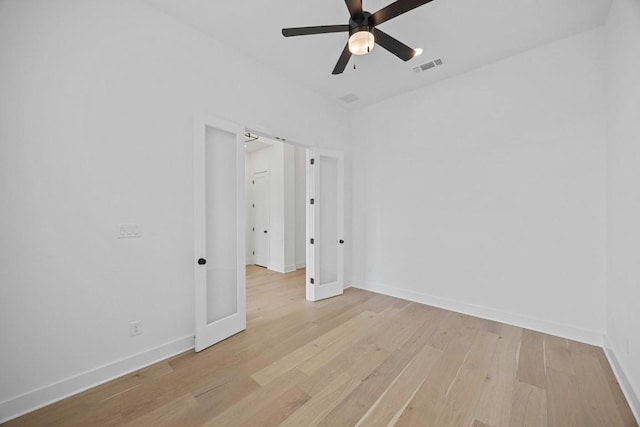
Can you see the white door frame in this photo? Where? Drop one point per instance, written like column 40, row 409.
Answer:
column 208, row 334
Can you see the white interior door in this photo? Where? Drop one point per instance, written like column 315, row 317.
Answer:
column 219, row 228
column 325, row 213
column 260, row 212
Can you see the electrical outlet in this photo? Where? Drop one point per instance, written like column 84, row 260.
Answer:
column 135, row 328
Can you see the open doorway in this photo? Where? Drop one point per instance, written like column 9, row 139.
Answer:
column 304, row 225
column 275, row 178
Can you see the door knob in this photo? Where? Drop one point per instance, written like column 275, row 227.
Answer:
column 202, row 261
column 265, row 231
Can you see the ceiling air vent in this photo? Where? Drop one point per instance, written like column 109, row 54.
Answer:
column 428, row 65
column 349, row 98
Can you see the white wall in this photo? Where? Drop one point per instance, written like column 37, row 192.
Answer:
column 485, row 193
column 96, row 110
column 623, row 196
column 300, row 182
column 289, row 207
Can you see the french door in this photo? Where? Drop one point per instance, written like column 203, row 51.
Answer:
column 325, row 224
column 219, row 227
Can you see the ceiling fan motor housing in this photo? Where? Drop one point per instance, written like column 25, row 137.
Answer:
column 360, row 23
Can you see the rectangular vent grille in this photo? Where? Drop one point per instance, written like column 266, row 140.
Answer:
column 425, row 67
column 428, row 65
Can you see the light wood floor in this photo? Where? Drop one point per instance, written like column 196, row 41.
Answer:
column 359, row 359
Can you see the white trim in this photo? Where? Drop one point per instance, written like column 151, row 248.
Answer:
column 282, row 268
column 552, row 328
column 62, row 389
column 301, row 265
column 633, row 397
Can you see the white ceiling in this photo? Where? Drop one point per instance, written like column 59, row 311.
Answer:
column 466, row 34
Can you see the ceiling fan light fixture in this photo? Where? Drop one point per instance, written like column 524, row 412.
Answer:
column 361, row 42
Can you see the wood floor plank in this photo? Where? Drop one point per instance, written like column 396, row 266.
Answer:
column 444, row 333
column 463, row 394
column 314, row 410
column 280, row 392
column 494, row 407
column 531, row 368
column 169, row 414
column 357, row 361
column 355, row 405
column 592, row 382
column 217, row 400
column 394, row 399
column 565, row 404
column 557, row 354
column 428, row 401
column 360, row 359
column 307, row 351
column 277, row 411
column 628, row 420
column 356, row 334
column 529, row 406
column 401, row 327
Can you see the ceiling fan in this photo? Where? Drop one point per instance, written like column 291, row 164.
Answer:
column 362, row 32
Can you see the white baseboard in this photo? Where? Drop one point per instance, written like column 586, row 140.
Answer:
column 551, row 328
column 301, row 265
column 632, row 395
column 44, row 396
column 282, row 268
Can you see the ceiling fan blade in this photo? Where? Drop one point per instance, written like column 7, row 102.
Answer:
column 342, row 61
column 394, row 9
column 394, row 46
column 354, row 6
column 321, row 29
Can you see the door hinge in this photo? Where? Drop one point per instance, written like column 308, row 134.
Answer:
column 312, row 161
column 311, row 280
column 312, row 201
column 311, row 241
